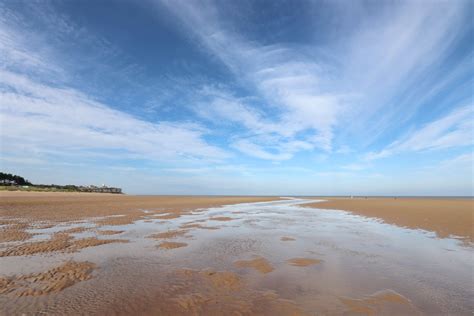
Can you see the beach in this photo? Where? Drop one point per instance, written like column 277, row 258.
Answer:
column 445, row 216
column 101, row 254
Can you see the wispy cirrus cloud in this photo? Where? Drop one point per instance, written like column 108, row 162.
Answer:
column 346, row 90
column 44, row 118
column 207, row 93
column 287, row 81
column 453, row 130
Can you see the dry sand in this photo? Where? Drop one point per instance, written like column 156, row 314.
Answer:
column 445, row 217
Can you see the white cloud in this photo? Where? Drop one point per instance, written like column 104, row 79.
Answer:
column 355, row 92
column 288, row 81
column 464, row 162
column 393, row 62
column 42, row 118
column 454, row 130
column 254, row 150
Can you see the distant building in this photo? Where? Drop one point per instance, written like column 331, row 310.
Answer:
column 102, row 189
column 8, row 182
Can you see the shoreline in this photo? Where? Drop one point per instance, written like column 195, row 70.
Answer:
column 66, row 206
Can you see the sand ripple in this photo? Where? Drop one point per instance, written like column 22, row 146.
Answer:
column 59, row 242
column 53, row 280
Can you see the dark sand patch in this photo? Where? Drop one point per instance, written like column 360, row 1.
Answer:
column 15, row 232
column 47, row 282
column 260, row 264
column 172, row 245
column 303, row 262
column 210, row 227
column 109, row 232
column 169, row 234
column 74, row 230
column 186, row 226
column 221, row 218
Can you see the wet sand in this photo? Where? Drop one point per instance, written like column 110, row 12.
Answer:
column 256, row 258
column 444, row 216
column 59, row 206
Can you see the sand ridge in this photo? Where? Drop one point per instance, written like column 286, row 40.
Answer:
column 192, row 225
column 47, row 282
column 109, row 232
column 169, row 234
column 14, row 235
column 172, row 245
column 221, row 218
column 58, row 242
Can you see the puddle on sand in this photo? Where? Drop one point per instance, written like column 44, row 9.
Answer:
column 345, row 264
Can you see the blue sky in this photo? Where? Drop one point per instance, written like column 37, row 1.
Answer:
column 240, row 97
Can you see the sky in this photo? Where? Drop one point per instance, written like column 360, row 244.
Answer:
column 240, row 97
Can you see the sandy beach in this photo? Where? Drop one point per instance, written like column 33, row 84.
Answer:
column 99, row 254
column 444, row 216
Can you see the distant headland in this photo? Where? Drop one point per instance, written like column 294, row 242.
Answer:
column 11, row 182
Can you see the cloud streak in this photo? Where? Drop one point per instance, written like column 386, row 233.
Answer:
column 44, row 117
column 453, row 130
column 323, row 100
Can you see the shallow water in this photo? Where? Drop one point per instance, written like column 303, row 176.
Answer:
column 365, row 266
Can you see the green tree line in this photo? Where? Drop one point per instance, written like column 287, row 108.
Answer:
column 13, row 177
